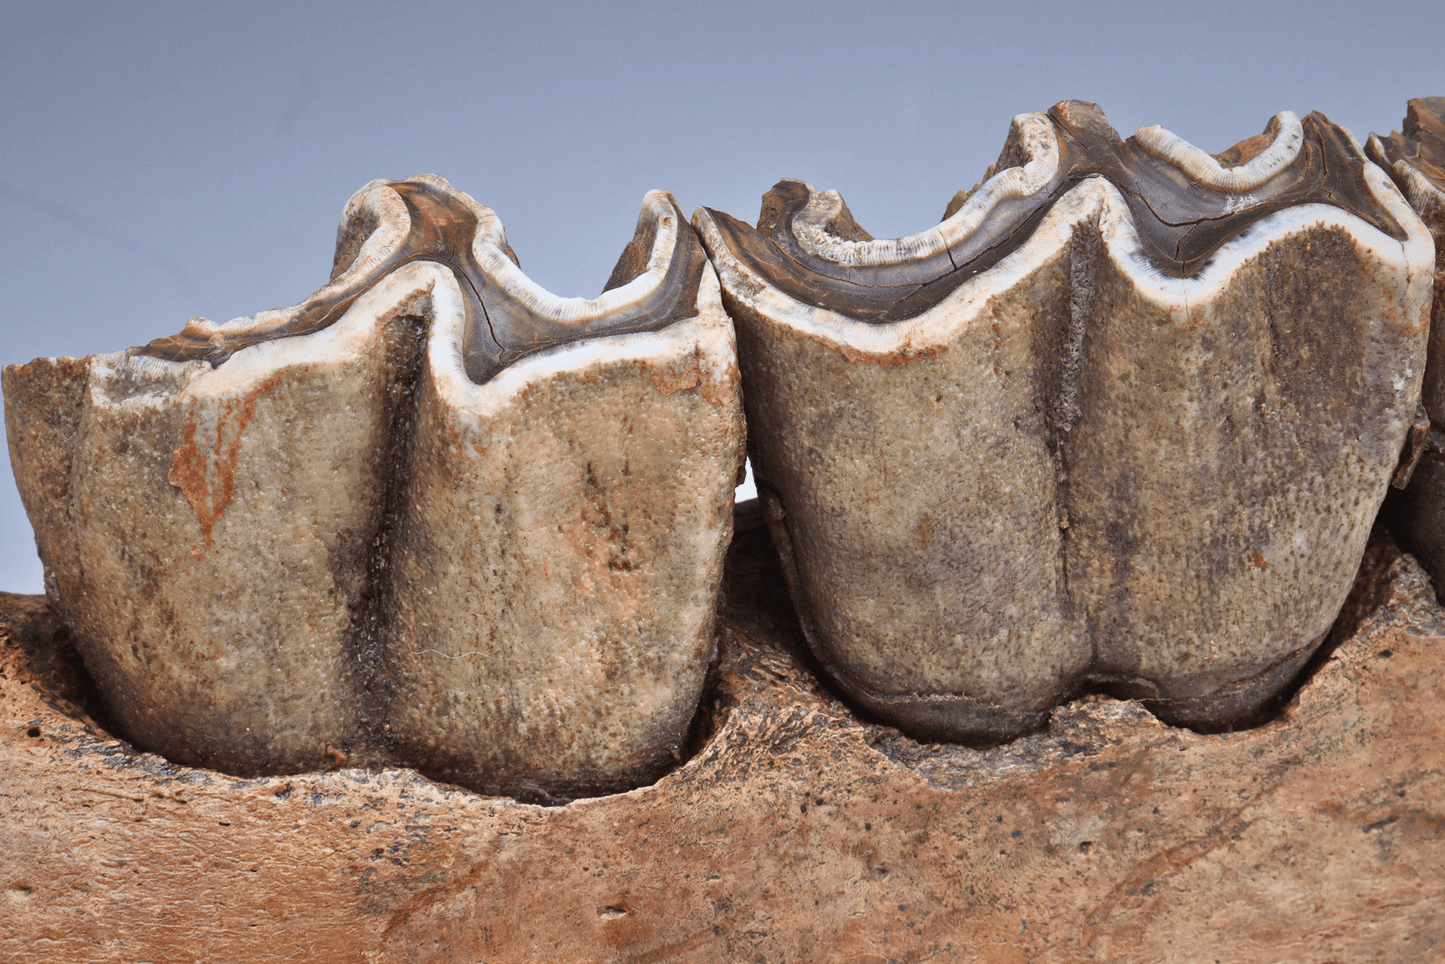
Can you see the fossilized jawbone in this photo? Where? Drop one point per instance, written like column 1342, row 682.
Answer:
column 433, row 515
column 1124, row 418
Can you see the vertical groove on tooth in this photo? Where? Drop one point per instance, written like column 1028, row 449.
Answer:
column 1195, row 373
column 1083, row 256
column 366, row 645
column 434, row 515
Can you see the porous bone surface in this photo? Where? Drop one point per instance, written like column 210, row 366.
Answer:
column 795, row 832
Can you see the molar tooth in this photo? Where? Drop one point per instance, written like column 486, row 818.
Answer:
column 265, row 557
column 212, row 560
column 557, row 563
column 1123, row 419
column 1415, row 159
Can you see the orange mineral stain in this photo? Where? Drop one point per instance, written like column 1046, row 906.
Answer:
column 207, row 474
column 668, row 381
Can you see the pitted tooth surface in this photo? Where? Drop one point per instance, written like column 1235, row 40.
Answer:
column 217, row 528
column 237, row 520
column 909, row 462
column 559, row 553
column 1124, row 418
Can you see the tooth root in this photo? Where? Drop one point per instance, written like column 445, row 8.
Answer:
column 263, row 558
column 1060, row 441
column 1415, row 160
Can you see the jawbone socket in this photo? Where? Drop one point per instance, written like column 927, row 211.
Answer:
column 434, row 515
column 1415, row 158
column 1123, row 419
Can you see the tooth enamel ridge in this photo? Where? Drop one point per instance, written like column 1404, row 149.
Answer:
column 1124, row 419
column 507, row 314
column 432, row 516
column 1180, row 221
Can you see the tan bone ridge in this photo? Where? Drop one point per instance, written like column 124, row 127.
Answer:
column 437, row 516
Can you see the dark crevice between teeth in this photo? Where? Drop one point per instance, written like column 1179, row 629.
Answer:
column 368, row 642
column 1083, row 256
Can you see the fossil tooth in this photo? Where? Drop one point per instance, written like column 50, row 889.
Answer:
column 433, row 515
column 1124, row 418
column 1415, row 159
column 391, row 224
column 594, row 485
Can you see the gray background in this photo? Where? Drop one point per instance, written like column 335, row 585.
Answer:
column 160, row 161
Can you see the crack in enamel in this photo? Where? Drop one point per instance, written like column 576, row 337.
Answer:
column 1122, row 420
column 507, row 316
column 1182, row 221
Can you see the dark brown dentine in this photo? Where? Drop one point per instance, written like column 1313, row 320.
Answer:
column 500, row 329
column 1181, row 222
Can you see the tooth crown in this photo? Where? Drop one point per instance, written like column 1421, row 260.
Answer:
column 389, row 224
column 1415, row 159
column 432, row 515
column 1124, row 418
